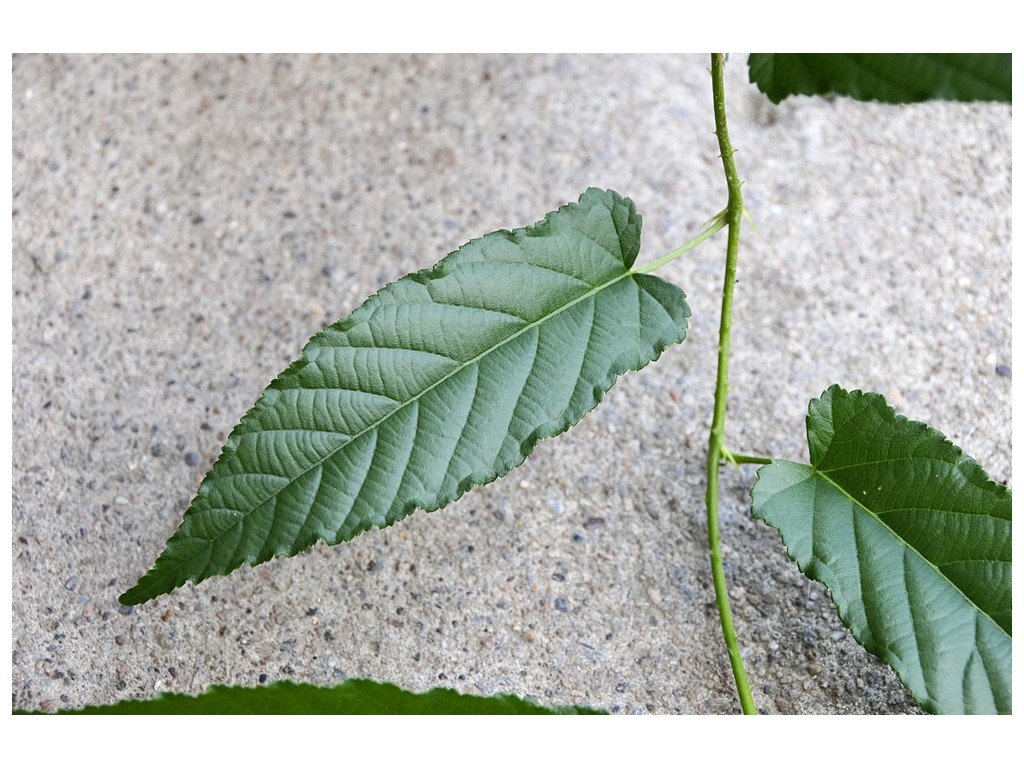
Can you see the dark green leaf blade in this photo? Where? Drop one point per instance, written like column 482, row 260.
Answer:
column 896, row 78
column 352, row 697
column 443, row 380
column 913, row 541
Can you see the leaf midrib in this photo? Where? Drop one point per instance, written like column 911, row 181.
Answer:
column 905, row 543
column 369, row 428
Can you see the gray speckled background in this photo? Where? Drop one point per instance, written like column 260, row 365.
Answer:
column 182, row 224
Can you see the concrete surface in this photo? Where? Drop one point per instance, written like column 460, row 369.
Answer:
column 182, row 224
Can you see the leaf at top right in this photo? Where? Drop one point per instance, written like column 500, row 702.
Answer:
column 897, row 78
column 912, row 539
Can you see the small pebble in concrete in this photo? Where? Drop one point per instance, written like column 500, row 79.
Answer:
column 191, row 458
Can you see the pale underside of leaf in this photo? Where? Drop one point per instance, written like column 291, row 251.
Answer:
column 912, row 540
column 444, row 380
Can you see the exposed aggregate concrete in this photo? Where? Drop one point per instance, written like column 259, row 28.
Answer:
column 182, row 224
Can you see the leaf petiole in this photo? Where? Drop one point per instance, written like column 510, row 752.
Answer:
column 717, row 222
column 741, row 458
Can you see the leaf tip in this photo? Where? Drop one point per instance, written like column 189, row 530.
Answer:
column 150, row 585
column 134, row 596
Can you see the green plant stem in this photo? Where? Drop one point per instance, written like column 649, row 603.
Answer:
column 716, row 443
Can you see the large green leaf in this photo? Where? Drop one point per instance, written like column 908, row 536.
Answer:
column 912, row 539
column 444, row 380
column 892, row 77
column 353, row 697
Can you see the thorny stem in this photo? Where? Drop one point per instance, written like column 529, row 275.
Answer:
column 716, row 443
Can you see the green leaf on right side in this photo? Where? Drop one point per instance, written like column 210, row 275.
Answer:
column 352, row 697
column 897, row 78
column 913, row 541
column 443, row 380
